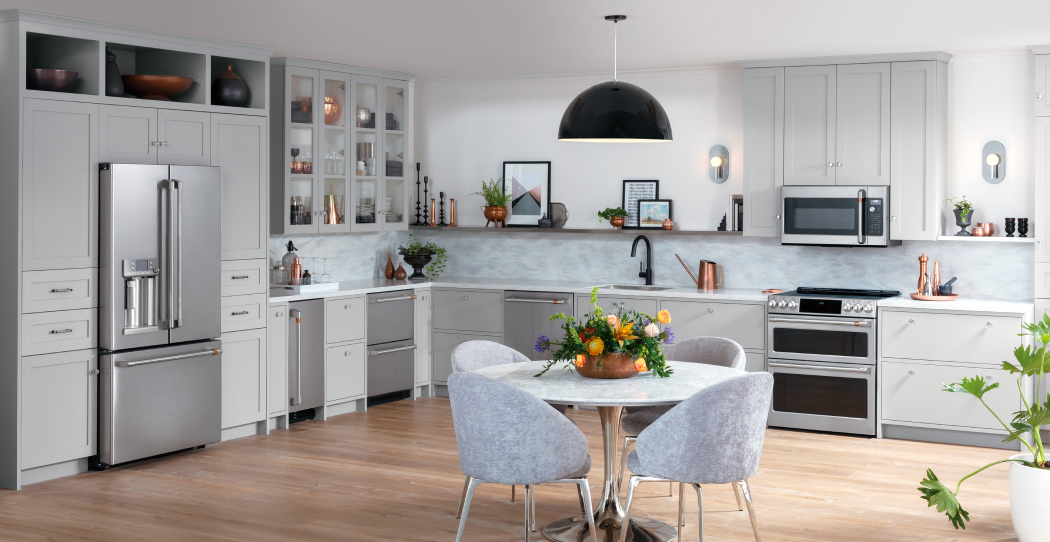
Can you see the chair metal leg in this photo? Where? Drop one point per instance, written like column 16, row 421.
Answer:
column 736, row 491
column 471, row 486
column 750, row 508
column 635, row 480
column 585, row 495
column 532, row 507
column 466, row 483
column 579, row 493
column 528, row 511
column 623, row 459
column 700, row 507
column 681, row 507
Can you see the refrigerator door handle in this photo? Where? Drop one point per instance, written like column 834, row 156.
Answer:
column 177, row 187
column 298, row 399
column 169, row 266
column 212, row 352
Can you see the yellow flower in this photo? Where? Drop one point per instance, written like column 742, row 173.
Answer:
column 595, row 346
column 639, row 365
column 580, row 360
column 613, row 320
column 623, row 332
column 664, row 317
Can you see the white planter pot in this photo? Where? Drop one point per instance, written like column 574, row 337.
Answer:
column 1029, row 496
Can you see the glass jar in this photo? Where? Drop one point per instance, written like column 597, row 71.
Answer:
column 279, row 275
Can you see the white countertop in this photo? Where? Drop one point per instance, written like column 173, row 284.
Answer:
column 961, row 304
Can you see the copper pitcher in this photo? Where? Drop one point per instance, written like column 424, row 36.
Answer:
column 710, row 275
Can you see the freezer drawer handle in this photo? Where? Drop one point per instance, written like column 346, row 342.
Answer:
column 239, row 277
column 57, row 331
column 815, row 368
column 390, row 350
column 387, row 299
column 212, row 352
column 238, row 313
column 61, row 290
column 855, row 323
column 526, row 300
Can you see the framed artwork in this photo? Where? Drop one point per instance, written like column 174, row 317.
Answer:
column 653, row 212
column 529, row 184
column 634, row 191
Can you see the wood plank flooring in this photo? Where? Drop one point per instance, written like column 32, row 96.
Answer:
column 393, row 474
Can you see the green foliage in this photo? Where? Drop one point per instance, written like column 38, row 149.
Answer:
column 610, row 212
column 963, row 204
column 494, row 192
column 1030, row 362
column 416, row 247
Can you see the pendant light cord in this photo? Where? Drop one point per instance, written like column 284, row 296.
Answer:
column 614, row 51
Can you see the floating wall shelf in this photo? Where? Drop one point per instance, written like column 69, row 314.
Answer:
column 987, row 239
column 481, row 229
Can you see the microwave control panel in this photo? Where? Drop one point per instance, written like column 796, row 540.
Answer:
column 873, row 217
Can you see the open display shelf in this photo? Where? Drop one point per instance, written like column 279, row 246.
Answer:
column 993, row 239
column 46, row 51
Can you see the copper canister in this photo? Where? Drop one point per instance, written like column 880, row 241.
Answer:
column 296, row 272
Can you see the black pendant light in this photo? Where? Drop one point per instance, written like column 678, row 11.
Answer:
column 615, row 111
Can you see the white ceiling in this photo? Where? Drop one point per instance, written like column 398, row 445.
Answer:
column 482, row 38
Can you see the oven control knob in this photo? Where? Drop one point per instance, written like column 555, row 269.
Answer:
column 792, row 304
column 772, row 303
column 847, row 307
column 781, row 304
column 868, row 308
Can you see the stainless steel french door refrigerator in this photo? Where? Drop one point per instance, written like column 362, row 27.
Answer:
column 159, row 310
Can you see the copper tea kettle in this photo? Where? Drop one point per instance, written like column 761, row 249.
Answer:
column 710, row 274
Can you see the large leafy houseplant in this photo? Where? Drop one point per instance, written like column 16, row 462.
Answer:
column 631, row 333
column 494, row 192
column 415, row 247
column 1025, row 425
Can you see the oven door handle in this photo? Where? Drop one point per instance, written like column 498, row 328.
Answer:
column 854, row 323
column 815, row 368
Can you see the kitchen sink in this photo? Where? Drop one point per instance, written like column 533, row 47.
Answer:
column 635, row 287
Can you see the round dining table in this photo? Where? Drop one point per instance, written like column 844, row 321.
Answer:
column 609, row 396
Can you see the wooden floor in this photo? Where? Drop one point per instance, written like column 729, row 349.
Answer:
column 393, row 474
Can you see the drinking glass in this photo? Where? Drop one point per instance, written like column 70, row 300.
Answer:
column 325, row 277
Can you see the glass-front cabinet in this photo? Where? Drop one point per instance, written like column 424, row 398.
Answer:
column 344, row 142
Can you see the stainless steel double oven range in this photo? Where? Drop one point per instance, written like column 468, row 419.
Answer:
column 820, row 348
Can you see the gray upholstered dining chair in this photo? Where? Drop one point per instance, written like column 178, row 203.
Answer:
column 706, row 350
column 713, row 437
column 508, row 436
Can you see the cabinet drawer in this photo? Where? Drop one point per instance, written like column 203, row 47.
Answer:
column 911, row 392
column 241, row 277
column 444, row 344
column 61, row 331
column 468, row 310
column 344, row 372
column 745, row 324
column 240, row 312
column 60, row 290
column 58, row 407
column 344, row 320
column 966, row 338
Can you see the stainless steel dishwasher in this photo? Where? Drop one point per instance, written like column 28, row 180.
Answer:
column 305, row 358
column 391, row 346
column 526, row 316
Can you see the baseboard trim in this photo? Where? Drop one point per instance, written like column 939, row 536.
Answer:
column 57, row 470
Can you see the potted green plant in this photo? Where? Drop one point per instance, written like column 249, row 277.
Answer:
column 418, row 254
column 1029, row 472
column 614, row 215
column 496, row 200
column 963, row 213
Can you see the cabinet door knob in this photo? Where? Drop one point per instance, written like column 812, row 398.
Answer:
column 910, row 322
column 1038, row 243
column 347, row 306
column 838, row 164
column 831, row 164
column 279, row 314
column 778, row 217
column 911, row 373
column 893, row 218
column 988, row 325
column 346, row 353
column 1038, row 96
column 93, row 371
column 465, row 298
column 709, row 311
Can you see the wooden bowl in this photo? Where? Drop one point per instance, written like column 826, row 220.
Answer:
column 155, row 87
column 50, row 80
column 612, row 366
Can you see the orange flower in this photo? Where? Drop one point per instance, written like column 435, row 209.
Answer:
column 639, row 365
column 613, row 320
column 595, row 346
column 580, row 360
column 664, row 317
column 624, row 332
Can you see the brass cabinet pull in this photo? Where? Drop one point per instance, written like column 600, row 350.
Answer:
column 57, row 331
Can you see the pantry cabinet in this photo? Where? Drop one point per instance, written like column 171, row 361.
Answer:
column 918, row 149
column 238, row 148
column 764, row 141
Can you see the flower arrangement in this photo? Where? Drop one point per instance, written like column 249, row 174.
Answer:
column 624, row 332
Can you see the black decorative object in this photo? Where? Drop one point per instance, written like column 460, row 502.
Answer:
column 418, row 262
column 1022, row 227
column 615, row 111
column 946, row 288
column 114, row 84
column 1009, row 227
column 544, row 222
column 229, row 90
column 963, row 223
column 426, row 209
column 417, row 222
column 441, row 216
column 722, row 226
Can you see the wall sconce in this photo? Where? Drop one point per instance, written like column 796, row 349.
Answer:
column 994, row 163
column 719, row 157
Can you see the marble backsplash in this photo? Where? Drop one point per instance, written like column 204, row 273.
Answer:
column 987, row 270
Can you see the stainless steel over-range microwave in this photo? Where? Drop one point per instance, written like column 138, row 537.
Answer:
column 836, row 216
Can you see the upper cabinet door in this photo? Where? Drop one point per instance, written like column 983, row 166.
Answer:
column 809, row 125
column 1042, row 179
column 395, row 155
column 184, row 138
column 915, row 197
column 1042, row 85
column 127, row 135
column 238, row 147
column 764, row 141
column 862, row 129
column 59, row 185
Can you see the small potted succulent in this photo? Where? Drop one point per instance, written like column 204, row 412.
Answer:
column 418, row 254
column 963, row 214
column 614, row 215
column 496, row 200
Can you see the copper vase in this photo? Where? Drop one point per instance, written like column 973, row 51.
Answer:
column 400, row 273
column 616, row 221
column 612, row 366
column 495, row 215
column 389, row 271
column 668, row 225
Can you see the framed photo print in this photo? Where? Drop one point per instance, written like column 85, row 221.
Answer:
column 529, row 184
column 653, row 212
column 633, row 191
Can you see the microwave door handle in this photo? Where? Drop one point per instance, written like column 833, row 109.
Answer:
column 861, row 195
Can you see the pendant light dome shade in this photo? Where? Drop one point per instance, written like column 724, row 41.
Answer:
column 615, row 112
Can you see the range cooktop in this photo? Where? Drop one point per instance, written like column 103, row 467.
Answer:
column 829, row 301
column 845, row 292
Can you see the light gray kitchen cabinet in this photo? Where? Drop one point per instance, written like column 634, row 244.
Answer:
column 911, row 393
column 862, row 124
column 241, row 312
column 59, row 290
column 145, row 135
column 344, row 319
column 242, row 277
column 1041, row 224
column 277, row 359
column 1042, row 83
column 59, row 407
column 59, row 185
column 59, row 331
column 918, row 149
column 743, row 323
column 764, row 141
column 468, row 310
column 243, row 377
column 424, row 318
column 755, row 362
column 809, row 125
column 344, row 372
column 185, row 138
column 238, row 147
column 974, row 338
column 445, row 342
column 647, row 305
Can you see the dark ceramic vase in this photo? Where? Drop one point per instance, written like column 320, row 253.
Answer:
column 114, row 84
column 229, row 90
column 963, row 224
column 544, row 222
column 418, row 262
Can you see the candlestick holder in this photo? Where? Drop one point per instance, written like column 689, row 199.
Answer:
column 426, row 211
column 418, row 222
column 452, row 212
column 441, row 222
column 433, row 216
